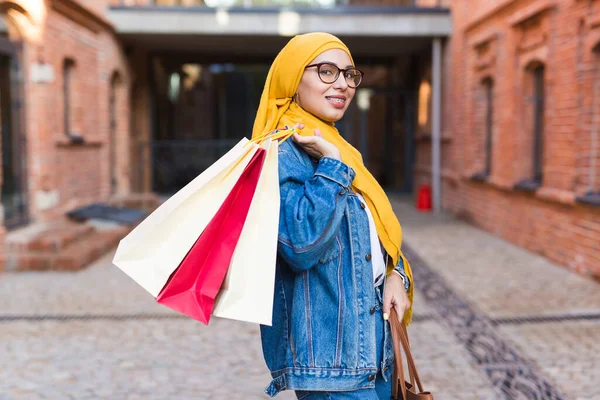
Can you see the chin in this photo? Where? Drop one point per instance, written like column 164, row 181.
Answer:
column 334, row 117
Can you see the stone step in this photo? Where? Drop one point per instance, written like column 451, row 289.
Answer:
column 66, row 245
column 79, row 255
column 73, row 257
column 46, row 237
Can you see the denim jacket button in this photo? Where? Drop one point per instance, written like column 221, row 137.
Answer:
column 368, row 257
column 277, row 385
column 362, row 205
column 373, row 310
column 371, row 378
column 341, row 193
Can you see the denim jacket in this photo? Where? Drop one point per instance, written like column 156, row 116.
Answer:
column 323, row 331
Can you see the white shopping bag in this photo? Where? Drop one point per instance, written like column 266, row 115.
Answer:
column 247, row 292
column 156, row 247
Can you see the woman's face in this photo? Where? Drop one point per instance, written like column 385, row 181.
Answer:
column 327, row 101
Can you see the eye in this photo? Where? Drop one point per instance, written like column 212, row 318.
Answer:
column 352, row 74
column 326, row 72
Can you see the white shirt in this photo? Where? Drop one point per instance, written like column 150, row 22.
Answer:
column 377, row 257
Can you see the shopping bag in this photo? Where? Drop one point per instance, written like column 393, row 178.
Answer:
column 247, row 292
column 154, row 249
column 194, row 285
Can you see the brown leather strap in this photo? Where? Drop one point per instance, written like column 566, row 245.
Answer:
column 400, row 339
column 410, row 370
column 409, row 358
column 399, row 382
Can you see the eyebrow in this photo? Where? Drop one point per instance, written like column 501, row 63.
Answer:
column 331, row 62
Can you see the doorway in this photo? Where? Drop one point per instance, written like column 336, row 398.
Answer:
column 14, row 160
column 384, row 134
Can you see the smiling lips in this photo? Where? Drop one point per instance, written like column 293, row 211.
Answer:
column 337, row 101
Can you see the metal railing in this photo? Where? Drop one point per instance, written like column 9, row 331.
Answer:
column 174, row 163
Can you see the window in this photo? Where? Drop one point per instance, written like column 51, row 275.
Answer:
column 532, row 142
column 69, row 103
column 538, row 122
column 590, row 142
column 483, row 129
column 488, row 87
column 68, row 71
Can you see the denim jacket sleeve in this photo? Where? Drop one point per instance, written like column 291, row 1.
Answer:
column 399, row 269
column 312, row 206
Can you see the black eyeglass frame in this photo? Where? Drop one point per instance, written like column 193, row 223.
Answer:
column 340, row 70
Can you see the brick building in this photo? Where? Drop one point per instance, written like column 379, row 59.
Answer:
column 493, row 105
column 520, row 142
column 66, row 92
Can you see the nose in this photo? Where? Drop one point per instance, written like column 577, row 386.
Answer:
column 340, row 82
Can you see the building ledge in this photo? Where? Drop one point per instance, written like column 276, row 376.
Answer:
column 346, row 21
column 338, row 10
column 480, row 177
column 590, row 199
column 536, row 190
column 564, row 197
column 65, row 141
column 528, row 185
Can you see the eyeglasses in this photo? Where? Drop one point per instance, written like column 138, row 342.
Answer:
column 329, row 73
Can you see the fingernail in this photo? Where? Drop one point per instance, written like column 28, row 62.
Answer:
column 385, row 316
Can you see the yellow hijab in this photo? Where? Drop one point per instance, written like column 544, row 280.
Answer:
column 277, row 110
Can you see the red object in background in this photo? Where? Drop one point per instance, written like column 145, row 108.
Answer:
column 424, row 198
column 193, row 287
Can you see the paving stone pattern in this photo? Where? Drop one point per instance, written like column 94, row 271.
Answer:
column 95, row 334
column 568, row 352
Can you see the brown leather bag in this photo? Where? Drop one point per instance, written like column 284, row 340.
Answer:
column 406, row 389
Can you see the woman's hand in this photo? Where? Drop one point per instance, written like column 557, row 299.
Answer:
column 395, row 296
column 316, row 146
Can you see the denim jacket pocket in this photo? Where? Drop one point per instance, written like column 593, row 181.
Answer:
column 333, row 252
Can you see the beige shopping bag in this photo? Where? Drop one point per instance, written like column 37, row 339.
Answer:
column 247, row 292
column 156, row 247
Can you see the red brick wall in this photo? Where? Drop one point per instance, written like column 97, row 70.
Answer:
column 62, row 175
column 500, row 40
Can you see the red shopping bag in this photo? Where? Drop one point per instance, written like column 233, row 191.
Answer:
column 194, row 285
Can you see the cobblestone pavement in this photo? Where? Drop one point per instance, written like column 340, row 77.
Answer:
column 532, row 326
column 482, row 330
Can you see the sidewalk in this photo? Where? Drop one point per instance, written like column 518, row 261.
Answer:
column 509, row 321
column 491, row 322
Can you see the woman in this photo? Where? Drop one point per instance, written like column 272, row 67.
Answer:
column 339, row 264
